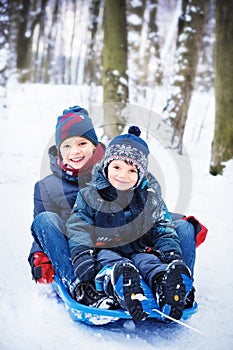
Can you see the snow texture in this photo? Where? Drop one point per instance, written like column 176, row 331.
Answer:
column 30, row 315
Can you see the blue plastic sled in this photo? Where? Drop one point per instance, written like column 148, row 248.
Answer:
column 96, row 316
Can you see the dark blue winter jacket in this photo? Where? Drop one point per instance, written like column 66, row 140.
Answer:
column 57, row 192
column 123, row 221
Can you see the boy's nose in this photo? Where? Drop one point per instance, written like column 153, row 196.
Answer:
column 123, row 175
column 75, row 149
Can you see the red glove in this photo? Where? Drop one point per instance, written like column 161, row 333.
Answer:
column 43, row 271
column 200, row 230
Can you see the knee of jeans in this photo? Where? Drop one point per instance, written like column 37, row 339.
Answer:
column 47, row 218
column 184, row 229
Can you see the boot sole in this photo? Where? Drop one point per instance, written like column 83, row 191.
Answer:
column 176, row 285
column 132, row 290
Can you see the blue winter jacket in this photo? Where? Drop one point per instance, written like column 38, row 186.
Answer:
column 124, row 221
column 57, row 192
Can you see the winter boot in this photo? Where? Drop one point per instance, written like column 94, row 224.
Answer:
column 128, row 290
column 105, row 302
column 172, row 289
column 190, row 299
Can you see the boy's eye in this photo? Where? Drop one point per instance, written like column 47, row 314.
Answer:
column 116, row 167
column 65, row 146
column 83, row 143
column 133, row 171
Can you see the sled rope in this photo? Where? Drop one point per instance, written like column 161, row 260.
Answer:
column 180, row 322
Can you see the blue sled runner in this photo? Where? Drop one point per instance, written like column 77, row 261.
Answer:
column 97, row 316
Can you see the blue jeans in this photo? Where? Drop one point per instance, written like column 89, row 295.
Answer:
column 48, row 229
column 187, row 237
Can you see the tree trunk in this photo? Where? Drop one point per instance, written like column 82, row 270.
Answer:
column 37, row 56
column 154, row 47
column 187, row 54
column 23, row 40
column 29, row 16
column 222, row 146
column 115, row 79
column 4, row 52
column 149, row 62
column 50, row 44
column 93, row 60
column 72, row 40
column 205, row 70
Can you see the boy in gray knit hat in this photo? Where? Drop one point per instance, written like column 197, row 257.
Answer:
column 120, row 230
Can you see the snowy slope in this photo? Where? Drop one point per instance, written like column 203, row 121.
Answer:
column 29, row 319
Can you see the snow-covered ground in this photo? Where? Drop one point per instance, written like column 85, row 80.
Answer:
column 29, row 319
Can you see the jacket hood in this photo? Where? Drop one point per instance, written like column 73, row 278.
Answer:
column 56, row 169
column 53, row 157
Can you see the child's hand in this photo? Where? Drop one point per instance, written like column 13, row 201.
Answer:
column 168, row 257
column 84, row 263
column 42, row 270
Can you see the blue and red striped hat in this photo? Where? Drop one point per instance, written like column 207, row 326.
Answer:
column 75, row 121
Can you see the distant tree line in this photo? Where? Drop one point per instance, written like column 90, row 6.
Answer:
column 123, row 45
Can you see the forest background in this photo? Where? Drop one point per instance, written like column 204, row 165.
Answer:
column 129, row 48
column 34, row 93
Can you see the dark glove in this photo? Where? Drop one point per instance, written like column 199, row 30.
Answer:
column 86, row 294
column 200, row 230
column 84, row 262
column 168, row 257
column 42, row 269
column 165, row 257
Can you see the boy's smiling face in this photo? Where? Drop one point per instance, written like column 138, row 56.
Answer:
column 122, row 175
column 76, row 151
